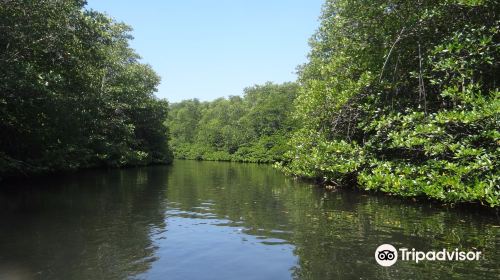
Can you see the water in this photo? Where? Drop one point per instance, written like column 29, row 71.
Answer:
column 212, row 220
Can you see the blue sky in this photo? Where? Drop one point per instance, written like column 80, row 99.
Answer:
column 214, row 48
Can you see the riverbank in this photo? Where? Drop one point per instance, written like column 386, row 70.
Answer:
column 421, row 199
column 32, row 175
column 352, row 184
column 70, row 100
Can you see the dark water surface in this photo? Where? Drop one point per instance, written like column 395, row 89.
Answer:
column 212, row 220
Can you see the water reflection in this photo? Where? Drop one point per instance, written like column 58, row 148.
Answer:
column 87, row 226
column 209, row 220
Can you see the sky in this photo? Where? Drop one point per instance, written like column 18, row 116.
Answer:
column 207, row 49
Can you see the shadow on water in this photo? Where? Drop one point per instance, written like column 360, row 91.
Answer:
column 86, row 226
column 213, row 220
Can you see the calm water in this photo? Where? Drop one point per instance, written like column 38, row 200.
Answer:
column 209, row 220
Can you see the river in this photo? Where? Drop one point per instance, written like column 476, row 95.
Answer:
column 217, row 220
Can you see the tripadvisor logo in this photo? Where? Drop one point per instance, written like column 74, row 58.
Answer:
column 387, row 255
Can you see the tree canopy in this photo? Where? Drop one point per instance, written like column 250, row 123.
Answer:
column 73, row 93
column 403, row 97
column 252, row 128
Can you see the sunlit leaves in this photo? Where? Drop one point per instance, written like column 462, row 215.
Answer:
column 253, row 128
column 404, row 98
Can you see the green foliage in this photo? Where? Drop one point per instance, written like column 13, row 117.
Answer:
column 403, row 97
column 73, row 93
column 252, row 129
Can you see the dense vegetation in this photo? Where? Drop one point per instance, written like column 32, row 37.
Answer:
column 403, row 97
column 397, row 96
column 252, row 128
column 73, row 93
